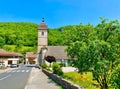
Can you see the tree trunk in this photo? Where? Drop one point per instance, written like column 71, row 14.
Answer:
column 104, row 82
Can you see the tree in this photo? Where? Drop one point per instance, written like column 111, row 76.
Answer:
column 2, row 42
column 115, row 78
column 97, row 50
column 50, row 59
column 55, row 37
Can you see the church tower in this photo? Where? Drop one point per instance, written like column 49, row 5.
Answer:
column 42, row 39
column 42, row 35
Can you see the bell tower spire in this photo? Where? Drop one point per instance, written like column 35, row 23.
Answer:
column 42, row 38
column 42, row 35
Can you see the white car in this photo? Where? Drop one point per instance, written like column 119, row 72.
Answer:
column 13, row 65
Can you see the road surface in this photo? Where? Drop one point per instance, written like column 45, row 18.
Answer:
column 15, row 79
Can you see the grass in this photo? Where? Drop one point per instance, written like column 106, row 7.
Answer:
column 83, row 80
column 61, row 87
column 2, row 68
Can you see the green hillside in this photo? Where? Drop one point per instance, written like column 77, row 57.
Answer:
column 18, row 36
column 22, row 36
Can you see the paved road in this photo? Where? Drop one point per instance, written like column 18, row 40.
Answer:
column 15, row 79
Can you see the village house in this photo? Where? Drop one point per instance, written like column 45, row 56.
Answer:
column 9, row 57
column 31, row 58
column 59, row 53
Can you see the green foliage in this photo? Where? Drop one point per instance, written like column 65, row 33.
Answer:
column 11, row 48
column 62, row 64
column 57, row 69
column 2, row 42
column 115, row 78
column 21, row 60
column 19, row 34
column 44, row 65
column 55, row 37
column 96, row 49
column 84, row 80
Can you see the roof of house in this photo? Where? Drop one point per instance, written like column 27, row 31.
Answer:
column 31, row 55
column 57, row 51
column 4, row 53
column 42, row 26
column 15, row 54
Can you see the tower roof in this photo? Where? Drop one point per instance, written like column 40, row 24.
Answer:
column 42, row 26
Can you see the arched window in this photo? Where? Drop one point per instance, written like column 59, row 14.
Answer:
column 42, row 33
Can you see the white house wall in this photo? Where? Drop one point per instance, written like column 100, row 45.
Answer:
column 6, row 63
column 26, row 60
column 13, row 59
column 62, row 61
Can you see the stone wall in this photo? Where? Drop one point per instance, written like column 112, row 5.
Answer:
column 63, row 82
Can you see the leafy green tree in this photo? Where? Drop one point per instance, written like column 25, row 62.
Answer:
column 96, row 50
column 19, row 43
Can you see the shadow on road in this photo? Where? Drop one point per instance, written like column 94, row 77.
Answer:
column 30, row 66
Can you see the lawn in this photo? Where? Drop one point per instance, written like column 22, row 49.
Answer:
column 84, row 80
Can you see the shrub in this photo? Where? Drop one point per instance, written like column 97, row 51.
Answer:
column 44, row 65
column 50, row 59
column 62, row 64
column 57, row 69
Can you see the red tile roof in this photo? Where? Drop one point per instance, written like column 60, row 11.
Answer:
column 4, row 53
column 42, row 26
column 31, row 55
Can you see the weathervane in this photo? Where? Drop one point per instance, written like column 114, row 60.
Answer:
column 43, row 20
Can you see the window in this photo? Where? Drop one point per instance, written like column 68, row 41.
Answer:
column 42, row 33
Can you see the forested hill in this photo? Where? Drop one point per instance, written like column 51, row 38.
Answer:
column 18, row 36
column 22, row 37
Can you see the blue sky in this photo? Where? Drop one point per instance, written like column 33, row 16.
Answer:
column 59, row 12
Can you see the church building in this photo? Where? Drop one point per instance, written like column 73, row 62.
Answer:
column 45, row 50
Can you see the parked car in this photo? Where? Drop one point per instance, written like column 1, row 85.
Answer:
column 14, row 65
